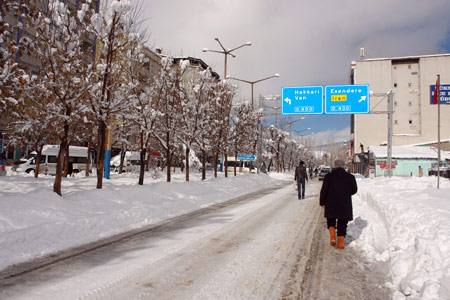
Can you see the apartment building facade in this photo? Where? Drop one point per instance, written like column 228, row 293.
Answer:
column 412, row 80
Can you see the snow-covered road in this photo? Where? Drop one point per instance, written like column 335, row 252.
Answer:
column 266, row 245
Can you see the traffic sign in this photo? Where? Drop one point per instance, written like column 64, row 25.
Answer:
column 243, row 156
column 347, row 99
column 302, row 100
column 444, row 93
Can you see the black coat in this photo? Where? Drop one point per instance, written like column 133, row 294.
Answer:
column 336, row 194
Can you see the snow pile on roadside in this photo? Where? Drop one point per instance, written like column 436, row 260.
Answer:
column 406, row 221
column 34, row 221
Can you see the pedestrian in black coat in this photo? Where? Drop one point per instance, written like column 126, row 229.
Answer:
column 300, row 177
column 336, row 196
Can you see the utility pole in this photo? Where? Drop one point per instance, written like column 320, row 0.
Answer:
column 390, row 113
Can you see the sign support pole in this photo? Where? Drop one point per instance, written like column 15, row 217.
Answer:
column 439, row 128
column 390, row 126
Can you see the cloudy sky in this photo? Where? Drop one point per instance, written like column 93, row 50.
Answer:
column 306, row 42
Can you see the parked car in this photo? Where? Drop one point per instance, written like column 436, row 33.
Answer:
column 323, row 172
column 77, row 160
column 2, row 166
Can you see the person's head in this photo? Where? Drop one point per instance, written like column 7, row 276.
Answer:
column 338, row 163
column 302, row 162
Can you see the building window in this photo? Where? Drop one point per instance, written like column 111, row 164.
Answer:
column 410, row 121
column 396, row 122
column 395, row 84
column 410, row 84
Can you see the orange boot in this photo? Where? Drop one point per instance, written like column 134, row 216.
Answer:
column 332, row 236
column 340, row 242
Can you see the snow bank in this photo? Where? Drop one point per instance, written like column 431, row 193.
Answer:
column 406, row 222
column 34, row 221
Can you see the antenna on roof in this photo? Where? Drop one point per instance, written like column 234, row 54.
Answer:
column 361, row 53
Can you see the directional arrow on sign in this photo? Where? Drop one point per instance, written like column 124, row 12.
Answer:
column 288, row 100
column 363, row 98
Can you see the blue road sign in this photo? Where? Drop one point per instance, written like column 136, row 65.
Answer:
column 444, row 93
column 302, row 100
column 347, row 99
column 242, row 156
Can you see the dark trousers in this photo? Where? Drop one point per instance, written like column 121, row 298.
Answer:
column 301, row 187
column 341, row 226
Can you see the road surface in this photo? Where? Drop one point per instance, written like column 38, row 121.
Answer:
column 268, row 245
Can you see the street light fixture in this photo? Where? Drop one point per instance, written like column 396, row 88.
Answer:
column 226, row 52
column 253, row 82
column 302, row 135
column 290, row 125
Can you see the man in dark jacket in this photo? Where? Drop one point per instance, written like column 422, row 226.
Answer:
column 300, row 177
column 336, row 196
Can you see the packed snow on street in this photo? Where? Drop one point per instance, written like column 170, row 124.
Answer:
column 243, row 237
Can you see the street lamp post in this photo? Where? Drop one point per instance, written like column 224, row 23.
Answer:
column 302, row 135
column 226, row 52
column 290, row 125
column 253, row 82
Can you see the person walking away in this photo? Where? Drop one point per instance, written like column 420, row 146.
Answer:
column 301, row 176
column 336, row 197
column 420, row 171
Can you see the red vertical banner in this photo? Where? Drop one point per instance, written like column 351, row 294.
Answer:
column 436, row 92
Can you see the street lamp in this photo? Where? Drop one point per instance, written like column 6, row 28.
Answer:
column 226, row 52
column 302, row 135
column 253, row 82
column 290, row 125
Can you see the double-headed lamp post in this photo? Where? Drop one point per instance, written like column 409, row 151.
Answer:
column 302, row 135
column 226, row 52
column 253, row 82
column 290, row 125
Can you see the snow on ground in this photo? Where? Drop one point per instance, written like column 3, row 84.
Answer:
column 402, row 221
column 406, row 222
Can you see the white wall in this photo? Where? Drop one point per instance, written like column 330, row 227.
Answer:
column 416, row 118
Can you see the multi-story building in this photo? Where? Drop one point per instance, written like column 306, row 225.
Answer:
column 415, row 118
column 30, row 63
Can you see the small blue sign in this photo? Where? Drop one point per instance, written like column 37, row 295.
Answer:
column 444, row 93
column 249, row 157
column 302, row 100
column 347, row 99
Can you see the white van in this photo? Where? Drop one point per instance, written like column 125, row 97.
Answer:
column 243, row 166
column 131, row 163
column 47, row 165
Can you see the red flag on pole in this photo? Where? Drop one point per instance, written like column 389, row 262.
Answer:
column 436, row 92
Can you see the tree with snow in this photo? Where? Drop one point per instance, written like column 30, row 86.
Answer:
column 244, row 126
column 114, row 27
column 220, row 118
column 168, row 95
column 62, row 81
column 195, row 109
column 12, row 75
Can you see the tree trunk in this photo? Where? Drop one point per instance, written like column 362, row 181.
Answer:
column 88, row 160
column 142, row 168
column 101, row 152
column 169, row 158
column 216, row 157
column 59, row 166
column 187, row 163
column 123, row 153
column 235, row 161
column 225, row 164
column 38, row 161
column 66, row 161
column 203, row 164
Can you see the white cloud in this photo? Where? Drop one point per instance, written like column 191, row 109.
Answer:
column 307, row 42
column 331, row 136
